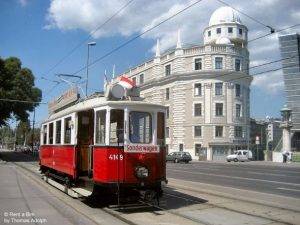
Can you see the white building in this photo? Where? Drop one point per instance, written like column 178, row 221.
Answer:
column 206, row 89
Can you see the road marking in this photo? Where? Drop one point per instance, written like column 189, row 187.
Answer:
column 243, row 166
column 273, row 174
column 240, row 178
column 288, row 189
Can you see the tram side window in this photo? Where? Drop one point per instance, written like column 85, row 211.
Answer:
column 116, row 126
column 100, row 126
column 45, row 134
column 140, row 127
column 58, row 132
column 160, row 128
column 50, row 133
column 68, row 130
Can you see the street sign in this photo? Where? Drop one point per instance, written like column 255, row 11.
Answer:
column 257, row 140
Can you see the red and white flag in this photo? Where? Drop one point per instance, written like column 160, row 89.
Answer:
column 126, row 82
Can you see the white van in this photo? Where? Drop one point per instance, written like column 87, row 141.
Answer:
column 240, row 155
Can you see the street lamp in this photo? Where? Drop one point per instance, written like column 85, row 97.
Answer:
column 87, row 65
column 286, row 126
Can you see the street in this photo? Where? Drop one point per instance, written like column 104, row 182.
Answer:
column 273, row 179
column 192, row 196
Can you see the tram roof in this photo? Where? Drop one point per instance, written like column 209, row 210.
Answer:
column 102, row 101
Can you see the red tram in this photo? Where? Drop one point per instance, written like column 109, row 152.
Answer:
column 101, row 143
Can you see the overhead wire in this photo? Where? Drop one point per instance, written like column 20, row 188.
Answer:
column 247, row 70
column 137, row 36
column 245, row 14
column 88, row 37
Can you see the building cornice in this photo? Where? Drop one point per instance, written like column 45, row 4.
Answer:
column 225, row 76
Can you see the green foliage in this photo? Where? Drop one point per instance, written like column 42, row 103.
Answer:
column 16, row 83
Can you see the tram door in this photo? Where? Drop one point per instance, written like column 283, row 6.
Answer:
column 84, row 139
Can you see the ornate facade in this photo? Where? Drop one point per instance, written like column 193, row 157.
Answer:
column 206, row 89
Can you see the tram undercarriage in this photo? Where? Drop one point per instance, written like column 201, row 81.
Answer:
column 113, row 193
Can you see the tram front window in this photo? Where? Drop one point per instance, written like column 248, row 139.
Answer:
column 140, row 128
column 117, row 126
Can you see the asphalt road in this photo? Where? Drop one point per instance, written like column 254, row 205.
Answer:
column 274, row 179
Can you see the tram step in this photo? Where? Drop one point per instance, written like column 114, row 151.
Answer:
column 82, row 191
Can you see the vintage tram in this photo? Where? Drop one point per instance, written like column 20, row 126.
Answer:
column 105, row 144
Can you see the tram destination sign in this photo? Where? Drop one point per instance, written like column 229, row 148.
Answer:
column 136, row 148
column 65, row 99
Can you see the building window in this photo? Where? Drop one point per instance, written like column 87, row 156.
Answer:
column 167, row 132
column 209, row 33
column 58, row 132
column 50, row 133
column 100, row 126
column 141, row 78
column 240, row 31
column 230, row 30
column 197, row 149
column 197, row 131
column 219, row 109
column 168, row 70
column 218, row 30
column 198, row 64
column 237, row 65
column 198, row 89
column 218, row 63
column 219, row 88
column 237, row 90
column 45, row 134
column 219, row 131
column 134, row 80
column 67, row 130
column 167, row 112
column 167, row 93
column 197, row 109
column 238, row 110
column 238, row 131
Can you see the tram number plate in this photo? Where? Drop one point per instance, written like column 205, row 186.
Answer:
column 115, row 157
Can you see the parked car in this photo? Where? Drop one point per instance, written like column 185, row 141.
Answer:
column 177, row 157
column 240, row 155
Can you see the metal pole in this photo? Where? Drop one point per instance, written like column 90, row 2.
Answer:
column 33, row 129
column 87, row 70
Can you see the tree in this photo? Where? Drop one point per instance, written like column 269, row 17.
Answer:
column 16, row 83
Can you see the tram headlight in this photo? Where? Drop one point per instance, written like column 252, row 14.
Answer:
column 141, row 172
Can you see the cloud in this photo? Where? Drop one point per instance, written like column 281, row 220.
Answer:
column 141, row 15
column 272, row 83
column 23, row 2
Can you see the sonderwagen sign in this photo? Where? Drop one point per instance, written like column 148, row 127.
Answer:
column 141, row 148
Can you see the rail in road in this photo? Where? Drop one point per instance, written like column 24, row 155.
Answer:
column 279, row 180
column 179, row 207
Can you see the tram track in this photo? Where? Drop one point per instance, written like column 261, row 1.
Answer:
column 159, row 209
column 210, row 205
column 114, row 213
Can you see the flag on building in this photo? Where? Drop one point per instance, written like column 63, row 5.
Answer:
column 126, row 82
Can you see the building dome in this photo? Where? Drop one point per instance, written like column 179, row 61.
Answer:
column 223, row 41
column 224, row 15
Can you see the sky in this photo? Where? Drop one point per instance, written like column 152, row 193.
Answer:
column 42, row 32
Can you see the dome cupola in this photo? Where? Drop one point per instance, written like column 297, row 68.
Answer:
column 224, row 15
column 225, row 27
